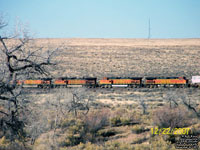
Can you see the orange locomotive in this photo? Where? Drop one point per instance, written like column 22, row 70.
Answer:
column 74, row 82
column 120, row 82
column 108, row 82
column 39, row 83
column 60, row 82
column 165, row 81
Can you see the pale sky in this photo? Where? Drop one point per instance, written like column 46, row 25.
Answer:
column 106, row 18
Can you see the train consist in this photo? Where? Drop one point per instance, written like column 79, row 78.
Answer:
column 109, row 82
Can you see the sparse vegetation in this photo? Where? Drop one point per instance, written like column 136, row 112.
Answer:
column 114, row 124
column 166, row 117
column 111, row 118
column 126, row 57
column 138, row 129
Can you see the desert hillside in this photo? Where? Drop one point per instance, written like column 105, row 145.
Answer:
column 125, row 57
column 114, row 118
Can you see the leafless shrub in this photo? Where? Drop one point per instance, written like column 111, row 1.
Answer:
column 144, row 106
column 97, row 120
column 79, row 102
column 190, row 105
column 171, row 117
column 172, row 97
column 56, row 116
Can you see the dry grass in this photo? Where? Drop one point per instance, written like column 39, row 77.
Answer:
column 126, row 57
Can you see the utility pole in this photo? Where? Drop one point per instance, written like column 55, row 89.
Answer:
column 149, row 34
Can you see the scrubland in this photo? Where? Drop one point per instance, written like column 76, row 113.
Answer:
column 117, row 118
column 126, row 57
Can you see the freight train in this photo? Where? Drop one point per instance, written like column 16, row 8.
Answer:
column 110, row 82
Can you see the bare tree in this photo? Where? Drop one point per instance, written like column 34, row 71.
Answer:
column 78, row 102
column 172, row 97
column 177, row 97
column 18, row 60
column 57, row 107
column 187, row 101
column 142, row 103
column 144, row 106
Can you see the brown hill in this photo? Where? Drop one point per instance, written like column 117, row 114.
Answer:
column 125, row 57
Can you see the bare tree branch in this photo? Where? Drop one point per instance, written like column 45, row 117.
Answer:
column 189, row 106
column 18, row 60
